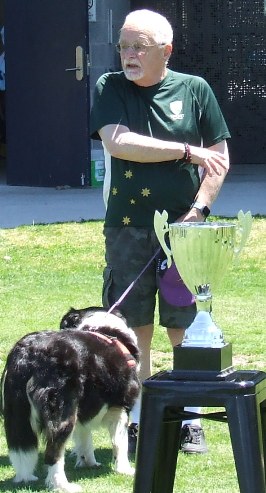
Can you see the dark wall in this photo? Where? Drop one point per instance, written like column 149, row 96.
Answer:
column 224, row 42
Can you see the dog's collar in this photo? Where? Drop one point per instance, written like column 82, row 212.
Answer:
column 122, row 348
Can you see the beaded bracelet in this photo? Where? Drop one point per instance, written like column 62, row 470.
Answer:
column 187, row 155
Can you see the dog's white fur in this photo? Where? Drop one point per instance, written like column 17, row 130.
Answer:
column 57, row 480
column 115, row 420
column 100, row 319
column 24, row 463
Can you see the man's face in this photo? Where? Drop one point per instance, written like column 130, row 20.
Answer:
column 143, row 60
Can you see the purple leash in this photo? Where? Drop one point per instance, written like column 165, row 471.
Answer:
column 125, row 293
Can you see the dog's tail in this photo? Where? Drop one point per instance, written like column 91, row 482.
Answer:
column 53, row 408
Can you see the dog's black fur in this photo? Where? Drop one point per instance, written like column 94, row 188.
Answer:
column 55, row 381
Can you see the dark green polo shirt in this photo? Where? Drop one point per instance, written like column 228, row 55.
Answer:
column 180, row 108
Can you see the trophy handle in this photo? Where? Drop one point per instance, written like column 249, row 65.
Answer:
column 161, row 228
column 244, row 228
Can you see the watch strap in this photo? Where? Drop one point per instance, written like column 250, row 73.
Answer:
column 204, row 209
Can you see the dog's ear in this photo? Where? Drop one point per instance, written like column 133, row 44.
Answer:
column 71, row 319
column 134, row 351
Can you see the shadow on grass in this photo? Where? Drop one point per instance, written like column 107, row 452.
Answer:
column 103, row 455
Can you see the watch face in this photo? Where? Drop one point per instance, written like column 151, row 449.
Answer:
column 205, row 211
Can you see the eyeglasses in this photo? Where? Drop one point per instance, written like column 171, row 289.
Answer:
column 138, row 48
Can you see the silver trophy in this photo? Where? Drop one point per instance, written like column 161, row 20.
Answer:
column 202, row 251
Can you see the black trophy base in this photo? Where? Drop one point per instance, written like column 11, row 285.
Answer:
column 203, row 358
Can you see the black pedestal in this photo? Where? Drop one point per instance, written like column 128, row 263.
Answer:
column 203, row 359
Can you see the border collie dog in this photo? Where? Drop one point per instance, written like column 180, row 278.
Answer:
column 73, row 380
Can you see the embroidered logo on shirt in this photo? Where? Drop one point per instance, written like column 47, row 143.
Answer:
column 176, row 108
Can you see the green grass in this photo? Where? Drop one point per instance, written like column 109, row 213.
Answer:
column 46, row 269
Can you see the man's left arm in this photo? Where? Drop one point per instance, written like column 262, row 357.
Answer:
column 210, row 186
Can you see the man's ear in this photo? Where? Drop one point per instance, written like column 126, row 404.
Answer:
column 167, row 51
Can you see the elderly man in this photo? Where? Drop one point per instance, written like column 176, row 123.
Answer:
column 165, row 148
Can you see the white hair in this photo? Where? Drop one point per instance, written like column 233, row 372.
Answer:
column 153, row 22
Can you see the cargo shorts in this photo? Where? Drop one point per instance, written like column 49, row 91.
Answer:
column 128, row 251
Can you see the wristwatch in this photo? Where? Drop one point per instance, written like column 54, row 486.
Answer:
column 204, row 210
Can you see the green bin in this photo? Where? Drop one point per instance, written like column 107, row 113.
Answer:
column 97, row 168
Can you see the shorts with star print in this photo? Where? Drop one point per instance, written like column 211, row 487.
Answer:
column 128, row 251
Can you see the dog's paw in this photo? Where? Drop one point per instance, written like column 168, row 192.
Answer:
column 125, row 469
column 82, row 462
column 95, row 465
column 71, row 488
column 19, row 479
column 73, row 453
column 63, row 487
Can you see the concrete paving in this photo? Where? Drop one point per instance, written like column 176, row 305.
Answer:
column 244, row 188
column 30, row 205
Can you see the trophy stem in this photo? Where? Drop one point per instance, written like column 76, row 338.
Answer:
column 203, row 298
column 203, row 305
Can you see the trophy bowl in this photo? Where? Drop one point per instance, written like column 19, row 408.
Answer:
column 202, row 252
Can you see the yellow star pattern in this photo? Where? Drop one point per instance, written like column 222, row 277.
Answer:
column 114, row 191
column 128, row 174
column 126, row 220
column 145, row 192
column 132, row 201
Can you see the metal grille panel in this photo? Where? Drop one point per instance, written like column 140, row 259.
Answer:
column 224, row 42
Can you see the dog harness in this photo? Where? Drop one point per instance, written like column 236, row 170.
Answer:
column 131, row 362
